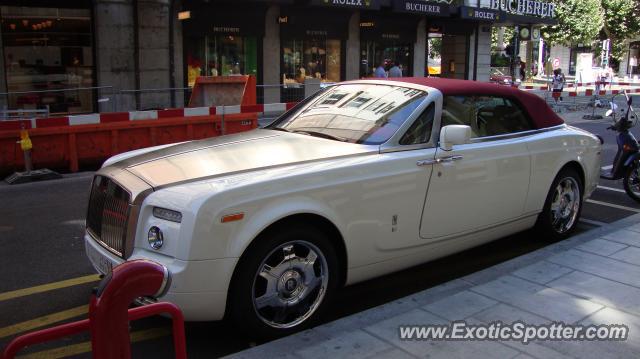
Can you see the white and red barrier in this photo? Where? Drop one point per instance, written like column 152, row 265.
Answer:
column 111, row 117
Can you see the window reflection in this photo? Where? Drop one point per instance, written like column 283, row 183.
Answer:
column 48, row 49
column 366, row 114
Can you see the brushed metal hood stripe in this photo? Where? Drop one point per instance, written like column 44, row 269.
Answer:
column 196, row 145
column 229, row 155
column 225, row 174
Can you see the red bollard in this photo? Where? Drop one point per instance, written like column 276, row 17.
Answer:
column 108, row 310
column 109, row 313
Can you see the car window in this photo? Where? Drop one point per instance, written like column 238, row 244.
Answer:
column 358, row 113
column 486, row 115
column 420, row 130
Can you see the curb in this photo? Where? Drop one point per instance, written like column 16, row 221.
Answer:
column 332, row 330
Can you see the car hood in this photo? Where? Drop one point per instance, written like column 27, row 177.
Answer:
column 219, row 156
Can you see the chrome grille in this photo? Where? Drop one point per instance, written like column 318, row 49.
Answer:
column 108, row 214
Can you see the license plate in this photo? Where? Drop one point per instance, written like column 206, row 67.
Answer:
column 102, row 263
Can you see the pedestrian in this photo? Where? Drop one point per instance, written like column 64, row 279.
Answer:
column 380, row 72
column 557, row 83
column 523, row 67
column 395, row 71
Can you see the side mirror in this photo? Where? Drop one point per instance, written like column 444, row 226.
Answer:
column 454, row 135
column 608, row 113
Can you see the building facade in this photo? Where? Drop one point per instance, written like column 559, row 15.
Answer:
column 119, row 55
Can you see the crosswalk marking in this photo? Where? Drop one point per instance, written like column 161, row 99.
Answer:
column 49, row 286
column 43, row 321
column 630, row 209
column 592, row 222
column 612, row 189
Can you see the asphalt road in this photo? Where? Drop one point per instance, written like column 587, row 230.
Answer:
column 41, row 228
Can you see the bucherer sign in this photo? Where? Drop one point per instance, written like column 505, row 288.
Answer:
column 523, row 7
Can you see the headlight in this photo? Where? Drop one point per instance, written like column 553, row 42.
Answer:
column 167, row 214
column 155, row 238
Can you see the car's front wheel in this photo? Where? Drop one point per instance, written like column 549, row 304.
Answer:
column 283, row 282
column 562, row 207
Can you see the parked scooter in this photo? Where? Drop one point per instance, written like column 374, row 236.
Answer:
column 626, row 164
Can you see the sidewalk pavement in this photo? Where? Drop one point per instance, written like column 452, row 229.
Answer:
column 591, row 278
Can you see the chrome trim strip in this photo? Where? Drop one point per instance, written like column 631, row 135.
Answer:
column 516, row 134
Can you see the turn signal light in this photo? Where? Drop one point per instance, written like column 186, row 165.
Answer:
column 232, row 217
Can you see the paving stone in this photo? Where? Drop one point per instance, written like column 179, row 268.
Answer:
column 546, row 302
column 388, row 330
column 600, row 290
column 396, row 307
column 635, row 228
column 629, row 255
column 353, row 344
column 601, row 266
column 602, row 247
column 542, row 272
column 604, row 349
column 393, row 354
column 282, row 348
column 507, row 314
column 460, row 306
column 631, row 238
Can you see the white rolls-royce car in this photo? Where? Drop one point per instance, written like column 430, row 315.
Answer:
column 362, row 179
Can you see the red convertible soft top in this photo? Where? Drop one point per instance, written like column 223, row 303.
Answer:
column 541, row 114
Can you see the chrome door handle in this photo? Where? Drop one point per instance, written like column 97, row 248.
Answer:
column 439, row 160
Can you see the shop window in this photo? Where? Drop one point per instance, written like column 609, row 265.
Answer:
column 48, row 51
column 386, row 53
column 634, row 58
column 310, row 58
column 221, row 55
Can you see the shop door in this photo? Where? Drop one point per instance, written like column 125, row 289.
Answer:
column 386, row 53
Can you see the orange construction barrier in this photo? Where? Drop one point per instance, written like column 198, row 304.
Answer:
column 90, row 144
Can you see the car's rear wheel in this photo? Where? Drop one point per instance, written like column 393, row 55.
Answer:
column 283, row 283
column 562, row 207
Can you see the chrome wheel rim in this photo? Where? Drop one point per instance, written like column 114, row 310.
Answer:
column 565, row 205
column 290, row 284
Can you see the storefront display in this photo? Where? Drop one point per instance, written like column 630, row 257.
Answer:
column 317, row 57
column 45, row 51
column 386, row 40
column 222, row 40
column 221, row 55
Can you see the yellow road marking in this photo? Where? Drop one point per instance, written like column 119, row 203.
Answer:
column 43, row 321
column 85, row 347
column 49, row 286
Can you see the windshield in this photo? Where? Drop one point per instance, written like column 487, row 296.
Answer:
column 357, row 113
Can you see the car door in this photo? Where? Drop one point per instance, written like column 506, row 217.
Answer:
column 483, row 183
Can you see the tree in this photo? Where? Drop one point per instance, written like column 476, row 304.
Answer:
column 579, row 21
column 621, row 22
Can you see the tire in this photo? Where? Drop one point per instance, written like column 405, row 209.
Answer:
column 563, row 205
column 274, row 271
column 631, row 182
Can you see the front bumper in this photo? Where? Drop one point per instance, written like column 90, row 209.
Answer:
column 198, row 288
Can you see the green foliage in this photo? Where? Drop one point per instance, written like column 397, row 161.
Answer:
column 585, row 21
column 435, row 47
column 508, row 35
column 579, row 21
column 621, row 21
